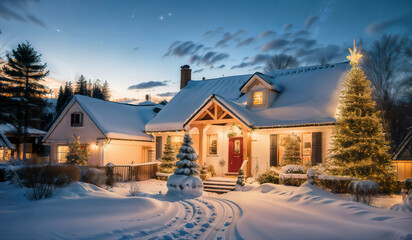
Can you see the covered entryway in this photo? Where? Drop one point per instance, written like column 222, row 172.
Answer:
column 234, row 149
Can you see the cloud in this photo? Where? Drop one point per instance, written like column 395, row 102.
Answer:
column 245, row 42
column 208, row 59
column 198, row 70
column 275, row 44
column 221, row 66
column 304, row 42
column 183, row 49
column 166, row 94
column 213, row 33
column 149, row 84
column 227, row 37
column 300, row 33
column 37, row 21
column 382, row 26
column 267, row 34
column 310, row 21
column 287, row 27
column 257, row 59
column 18, row 10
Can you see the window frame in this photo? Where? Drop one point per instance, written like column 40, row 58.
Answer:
column 209, row 146
column 59, row 154
column 262, row 97
column 72, row 120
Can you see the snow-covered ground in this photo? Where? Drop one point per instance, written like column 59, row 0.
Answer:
column 83, row 211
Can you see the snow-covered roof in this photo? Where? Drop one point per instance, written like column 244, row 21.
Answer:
column 115, row 120
column 140, row 103
column 7, row 128
column 4, row 142
column 405, row 142
column 308, row 95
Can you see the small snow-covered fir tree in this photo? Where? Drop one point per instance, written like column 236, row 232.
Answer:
column 241, row 178
column 291, row 156
column 359, row 148
column 185, row 182
column 76, row 154
column 168, row 160
column 187, row 156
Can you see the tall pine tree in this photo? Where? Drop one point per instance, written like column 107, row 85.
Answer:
column 25, row 72
column 81, row 86
column 359, row 148
column 106, row 91
column 168, row 160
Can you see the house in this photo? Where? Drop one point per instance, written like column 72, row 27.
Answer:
column 112, row 132
column 242, row 120
column 403, row 157
column 6, row 148
column 34, row 148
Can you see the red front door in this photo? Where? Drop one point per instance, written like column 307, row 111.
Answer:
column 235, row 154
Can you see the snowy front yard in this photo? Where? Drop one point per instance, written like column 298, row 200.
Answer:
column 83, row 211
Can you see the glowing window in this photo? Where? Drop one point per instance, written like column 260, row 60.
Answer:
column 177, row 143
column 257, row 97
column 212, row 139
column 62, row 153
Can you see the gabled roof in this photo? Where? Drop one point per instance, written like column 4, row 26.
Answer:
column 4, row 141
column 405, row 142
column 7, row 128
column 266, row 80
column 309, row 95
column 114, row 120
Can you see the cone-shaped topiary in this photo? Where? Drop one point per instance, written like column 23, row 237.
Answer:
column 168, row 160
column 187, row 156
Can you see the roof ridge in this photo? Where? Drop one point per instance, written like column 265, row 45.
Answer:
column 79, row 95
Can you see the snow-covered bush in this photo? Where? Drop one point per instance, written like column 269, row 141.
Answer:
column 30, row 175
column 184, row 182
column 363, row 191
column 94, row 176
column 311, row 176
column 405, row 206
column 110, row 174
column 334, row 184
column 408, row 184
column 41, row 188
column 134, row 189
column 203, row 173
column 250, row 180
column 292, row 179
column 271, row 175
column 292, row 169
column 61, row 180
column 5, row 173
column 241, row 178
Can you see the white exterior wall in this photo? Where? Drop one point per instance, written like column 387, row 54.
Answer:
column 117, row 152
column 261, row 144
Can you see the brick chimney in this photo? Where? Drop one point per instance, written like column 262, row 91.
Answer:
column 147, row 97
column 185, row 75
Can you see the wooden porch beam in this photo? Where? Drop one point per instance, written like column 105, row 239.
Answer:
column 211, row 114
column 223, row 115
column 214, row 121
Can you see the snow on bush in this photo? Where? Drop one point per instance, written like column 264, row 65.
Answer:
column 335, row 184
column 363, row 191
column 311, row 176
column 293, row 169
column 94, row 176
column 271, row 175
column 405, row 206
column 408, row 184
column 184, row 182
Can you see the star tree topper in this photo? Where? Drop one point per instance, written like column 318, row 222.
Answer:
column 354, row 55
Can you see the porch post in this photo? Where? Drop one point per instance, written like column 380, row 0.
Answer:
column 201, row 128
column 247, row 151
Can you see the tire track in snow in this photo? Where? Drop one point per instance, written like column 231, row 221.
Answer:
column 203, row 218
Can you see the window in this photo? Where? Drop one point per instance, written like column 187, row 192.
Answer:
column 77, row 119
column 62, row 153
column 212, row 144
column 177, row 142
column 257, row 97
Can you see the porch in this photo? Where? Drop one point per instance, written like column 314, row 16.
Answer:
column 221, row 139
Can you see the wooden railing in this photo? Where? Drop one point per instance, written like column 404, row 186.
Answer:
column 134, row 172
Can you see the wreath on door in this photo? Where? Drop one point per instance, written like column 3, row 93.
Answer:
column 234, row 131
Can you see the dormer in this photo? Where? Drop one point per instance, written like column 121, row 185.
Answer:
column 260, row 91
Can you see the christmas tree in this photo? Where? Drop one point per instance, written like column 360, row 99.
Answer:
column 291, row 156
column 359, row 148
column 187, row 158
column 76, row 154
column 168, row 159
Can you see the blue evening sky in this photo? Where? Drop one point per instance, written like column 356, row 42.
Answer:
column 141, row 44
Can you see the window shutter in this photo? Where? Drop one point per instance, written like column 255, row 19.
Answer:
column 81, row 119
column 158, row 147
column 273, row 150
column 72, row 119
column 316, row 148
